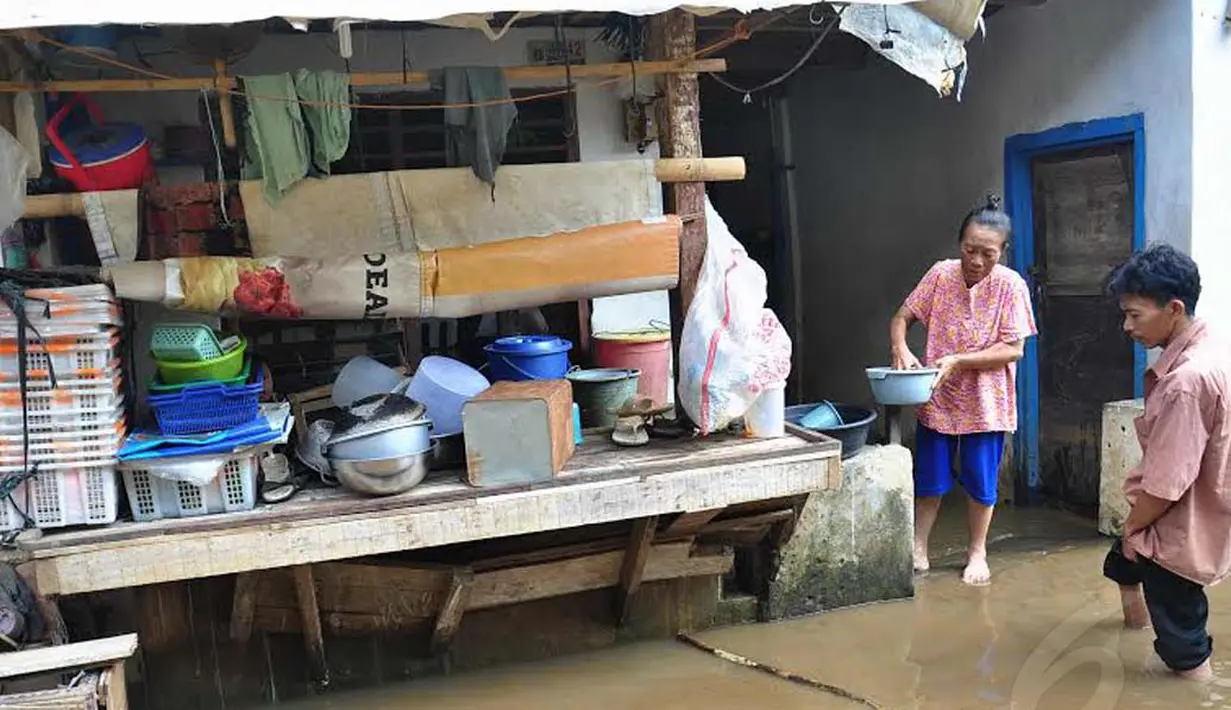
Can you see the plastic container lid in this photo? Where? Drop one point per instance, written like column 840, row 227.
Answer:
column 530, row 345
column 99, row 144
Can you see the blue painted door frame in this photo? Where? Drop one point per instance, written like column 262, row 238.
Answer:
column 1018, row 152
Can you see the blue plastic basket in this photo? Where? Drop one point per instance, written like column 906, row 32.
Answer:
column 209, row 406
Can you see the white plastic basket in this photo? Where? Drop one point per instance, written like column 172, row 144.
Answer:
column 65, row 408
column 11, row 432
column 55, row 447
column 84, row 356
column 154, row 498
column 79, row 493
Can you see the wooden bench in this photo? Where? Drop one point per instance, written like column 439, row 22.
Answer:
column 107, row 655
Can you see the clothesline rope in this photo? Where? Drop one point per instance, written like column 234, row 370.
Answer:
column 739, row 32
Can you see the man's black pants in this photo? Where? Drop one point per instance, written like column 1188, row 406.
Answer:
column 1178, row 608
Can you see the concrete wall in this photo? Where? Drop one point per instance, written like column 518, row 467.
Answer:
column 886, row 170
column 852, row 545
column 1211, row 222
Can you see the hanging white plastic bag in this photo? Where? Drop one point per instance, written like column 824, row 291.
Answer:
column 732, row 347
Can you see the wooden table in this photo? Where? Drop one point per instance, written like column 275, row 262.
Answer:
column 693, row 480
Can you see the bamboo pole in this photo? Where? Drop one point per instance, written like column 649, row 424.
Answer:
column 226, row 112
column 666, row 170
column 221, row 82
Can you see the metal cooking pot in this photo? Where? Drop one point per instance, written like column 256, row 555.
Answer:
column 384, row 442
column 382, row 476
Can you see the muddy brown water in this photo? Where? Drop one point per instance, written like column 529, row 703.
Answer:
column 1047, row 634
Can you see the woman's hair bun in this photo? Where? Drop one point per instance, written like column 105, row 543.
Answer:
column 993, row 202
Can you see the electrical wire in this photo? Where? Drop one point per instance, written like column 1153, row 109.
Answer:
column 816, row 44
column 739, row 33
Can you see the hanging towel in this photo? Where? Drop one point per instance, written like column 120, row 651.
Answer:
column 477, row 135
column 327, row 113
column 277, row 138
column 288, row 140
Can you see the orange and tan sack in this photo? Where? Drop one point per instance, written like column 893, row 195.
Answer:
column 627, row 257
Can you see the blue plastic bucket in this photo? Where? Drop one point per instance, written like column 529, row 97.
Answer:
column 528, row 357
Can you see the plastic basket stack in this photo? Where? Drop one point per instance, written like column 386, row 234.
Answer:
column 201, row 387
column 58, row 461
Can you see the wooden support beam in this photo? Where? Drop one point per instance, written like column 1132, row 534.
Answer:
column 310, row 622
column 632, row 569
column 666, row 170
column 226, row 111
column 100, row 653
column 450, row 616
column 244, row 606
column 523, row 75
column 357, row 598
column 689, row 523
column 764, row 520
column 113, row 687
column 673, row 36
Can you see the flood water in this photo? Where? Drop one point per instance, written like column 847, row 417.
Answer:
column 1047, row 634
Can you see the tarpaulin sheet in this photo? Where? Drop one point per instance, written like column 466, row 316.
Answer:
column 47, row 13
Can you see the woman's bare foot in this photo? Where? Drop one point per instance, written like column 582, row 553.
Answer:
column 1136, row 614
column 977, row 573
column 922, row 564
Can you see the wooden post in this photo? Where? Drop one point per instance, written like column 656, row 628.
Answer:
column 450, row 616
column 115, row 690
column 226, row 112
column 310, row 620
column 673, row 36
column 632, row 569
column 243, row 609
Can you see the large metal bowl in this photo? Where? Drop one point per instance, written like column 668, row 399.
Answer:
column 387, row 442
column 382, row 477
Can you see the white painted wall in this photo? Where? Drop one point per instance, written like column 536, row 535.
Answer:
column 886, row 170
column 1211, row 180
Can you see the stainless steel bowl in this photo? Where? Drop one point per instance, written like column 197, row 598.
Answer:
column 385, row 443
column 383, row 476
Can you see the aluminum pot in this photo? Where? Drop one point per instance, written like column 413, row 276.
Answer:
column 382, row 476
column 400, row 439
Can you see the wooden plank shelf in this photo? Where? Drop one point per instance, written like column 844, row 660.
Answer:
column 602, row 484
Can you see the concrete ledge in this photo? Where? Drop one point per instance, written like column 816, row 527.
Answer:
column 852, row 545
column 1121, row 453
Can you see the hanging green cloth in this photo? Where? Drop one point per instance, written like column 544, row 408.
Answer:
column 327, row 113
column 286, row 140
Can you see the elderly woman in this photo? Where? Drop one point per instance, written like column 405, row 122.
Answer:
column 978, row 315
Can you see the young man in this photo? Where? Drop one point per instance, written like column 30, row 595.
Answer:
column 1177, row 538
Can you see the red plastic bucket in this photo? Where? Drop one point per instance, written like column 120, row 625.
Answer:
column 100, row 157
column 648, row 351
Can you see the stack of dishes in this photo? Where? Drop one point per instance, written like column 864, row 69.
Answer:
column 381, row 445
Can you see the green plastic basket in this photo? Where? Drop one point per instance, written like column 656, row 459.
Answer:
column 157, row 386
column 184, row 342
column 220, row 368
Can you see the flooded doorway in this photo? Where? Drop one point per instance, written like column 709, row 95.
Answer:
column 1083, row 214
column 1077, row 197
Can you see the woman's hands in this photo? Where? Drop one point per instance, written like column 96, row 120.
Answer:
column 904, row 359
column 948, row 365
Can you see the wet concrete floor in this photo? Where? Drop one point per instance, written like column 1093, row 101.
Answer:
column 1047, row 634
